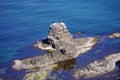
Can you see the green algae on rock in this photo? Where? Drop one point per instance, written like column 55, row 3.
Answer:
column 44, row 72
column 36, row 76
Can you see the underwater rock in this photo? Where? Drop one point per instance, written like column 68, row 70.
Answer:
column 99, row 67
column 66, row 65
column 36, row 76
column 79, row 33
column 115, row 35
column 60, row 46
column 3, row 71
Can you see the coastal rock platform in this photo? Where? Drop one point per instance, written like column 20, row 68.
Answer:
column 99, row 67
column 59, row 46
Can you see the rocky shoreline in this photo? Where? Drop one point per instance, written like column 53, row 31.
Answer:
column 99, row 67
column 60, row 46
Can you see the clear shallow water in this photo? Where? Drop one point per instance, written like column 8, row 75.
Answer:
column 24, row 22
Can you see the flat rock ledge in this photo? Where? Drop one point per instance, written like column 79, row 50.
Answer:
column 115, row 35
column 60, row 46
column 99, row 67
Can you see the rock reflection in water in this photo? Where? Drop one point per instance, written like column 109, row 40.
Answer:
column 43, row 72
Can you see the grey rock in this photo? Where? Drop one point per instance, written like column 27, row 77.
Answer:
column 60, row 46
column 99, row 67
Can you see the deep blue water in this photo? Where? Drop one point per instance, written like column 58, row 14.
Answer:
column 24, row 22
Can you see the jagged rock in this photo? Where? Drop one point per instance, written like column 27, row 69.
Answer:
column 98, row 67
column 59, row 31
column 60, row 45
column 115, row 35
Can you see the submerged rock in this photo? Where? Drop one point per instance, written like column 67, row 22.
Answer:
column 99, row 67
column 36, row 76
column 3, row 71
column 79, row 33
column 115, row 35
column 60, row 46
column 44, row 72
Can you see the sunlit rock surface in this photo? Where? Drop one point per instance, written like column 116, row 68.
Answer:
column 60, row 46
column 99, row 67
column 115, row 35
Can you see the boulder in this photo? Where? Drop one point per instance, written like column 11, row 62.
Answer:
column 99, row 67
column 60, row 46
column 115, row 35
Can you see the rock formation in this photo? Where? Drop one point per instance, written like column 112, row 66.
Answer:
column 115, row 35
column 99, row 67
column 60, row 46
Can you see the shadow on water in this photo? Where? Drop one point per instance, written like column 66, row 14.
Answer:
column 65, row 65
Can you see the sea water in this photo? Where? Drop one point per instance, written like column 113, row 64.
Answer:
column 23, row 22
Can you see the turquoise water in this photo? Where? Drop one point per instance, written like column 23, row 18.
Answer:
column 24, row 22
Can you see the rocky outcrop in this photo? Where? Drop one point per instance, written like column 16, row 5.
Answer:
column 115, row 35
column 60, row 45
column 99, row 67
